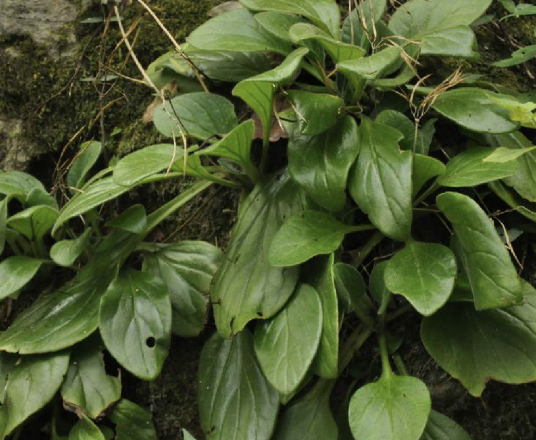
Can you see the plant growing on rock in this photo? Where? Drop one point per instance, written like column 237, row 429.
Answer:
column 296, row 295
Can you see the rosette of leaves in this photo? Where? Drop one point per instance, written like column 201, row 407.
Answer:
column 291, row 296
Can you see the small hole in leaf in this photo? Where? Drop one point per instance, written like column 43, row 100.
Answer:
column 151, row 342
column 259, row 314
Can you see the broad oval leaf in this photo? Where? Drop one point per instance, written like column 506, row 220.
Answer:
column 323, row 13
column 186, row 268
column 424, row 274
column 458, row 41
column 421, row 17
column 369, row 12
column 133, row 219
column 377, row 287
column 135, row 322
column 68, row 316
column 492, row 275
column 380, row 183
column 236, row 402
column 424, row 169
column 199, row 115
column 66, row 252
column 320, row 164
column 278, row 23
column 338, row 51
column 287, row 344
column 34, row 222
column 85, row 429
column 475, row 347
column 87, row 387
column 246, row 285
column 373, row 66
column 440, row 427
column 18, row 184
column 82, row 164
column 504, row 154
column 259, row 91
column 473, row 109
column 317, row 112
column 310, row 417
column 16, row 272
column 319, row 273
column 132, row 422
column 236, row 31
column 351, row 287
column 305, row 235
column 470, row 169
column 393, row 408
column 31, row 384
column 146, row 162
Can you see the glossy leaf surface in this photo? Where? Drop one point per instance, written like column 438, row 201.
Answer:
column 186, row 268
column 321, row 164
column 458, row 41
column 16, row 272
column 393, row 408
column 85, row 429
column 305, row 235
column 82, row 164
column 247, row 286
column 132, row 422
column 236, row 402
column 475, row 347
column 470, row 168
column 133, row 219
column 278, row 23
column 135, row 322
column 66, row 252
column 373, row 66
column 34, row 222
column 425, row 168
column 351, row 287
column 18, row 184
column 424, row 274
column 199, row 115
column 381, row 183
column 492, row 275
column 440, row 427
column 287, row 344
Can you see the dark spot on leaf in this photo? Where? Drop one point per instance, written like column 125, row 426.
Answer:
column 259, row 314
column 151, row 342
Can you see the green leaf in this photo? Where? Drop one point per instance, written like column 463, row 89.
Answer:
column 133, row 219
column 321, row 164
column 524, row 181
column 246, row 286
column 236, row 402
column 68, row 316
column 440, row 427
column 146, row 162
column 305, row 235
column 18, row 184
column 236, row 31
column 278, row 23
column 424, row 169
column 95, row 194
column 35, row 222
column 520, row 56
column 513, row 200
column 470, row 169
column 39, row 197
column 187, row 435
column 199, row 115
column 458, row 41
column 371, row 12
column 377, row 287
column 473, row 109
column 66, row 252
column 82, row 163
column 351, row 287
column 7, row 363
column 323, row 13
column 504, row 154
column 132, row 422
column 287, row 344
column 87, row 387
column 475, row 347
column 414, row 140
column 393, row 408
column 373, row 66
column 319, row 273
column 16, row 272
column 494, row 280
column 405, row 75
column 339, row 52
column 424, row 274
column 317, row 112
column 135, row 322
column 310, row 418
column 85, row 429
column 187, row 269
column 31, row 384
column 380, row 183
column 236, row 146
column 421, row 17
column 3, row 223
column 259, row 91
